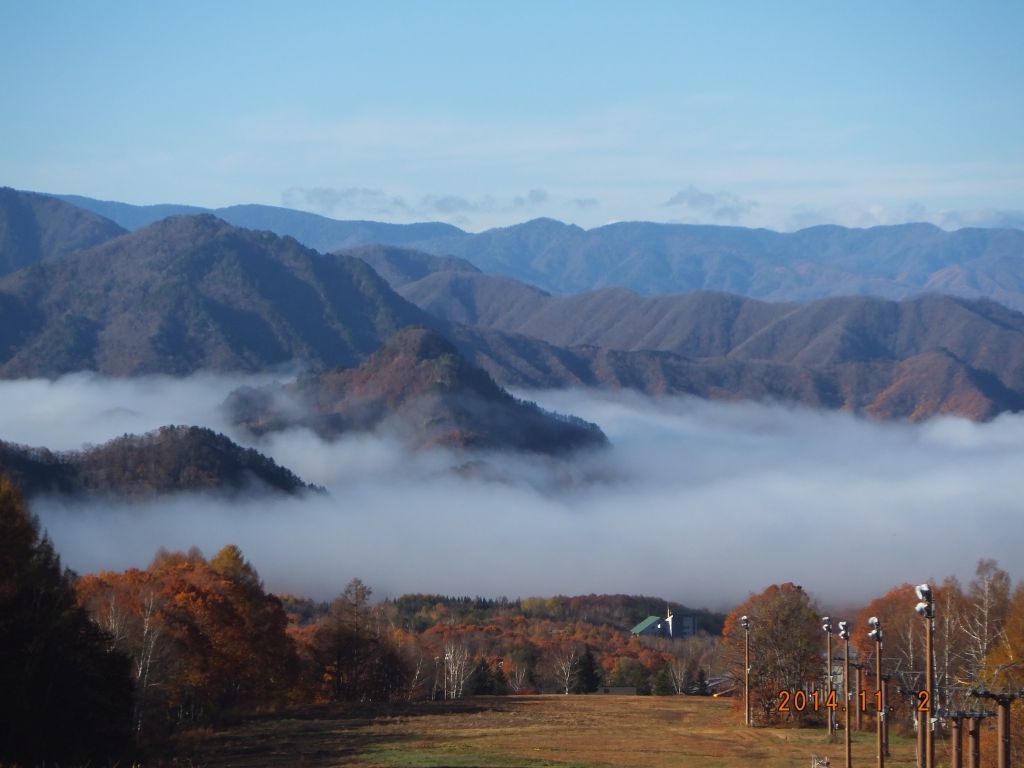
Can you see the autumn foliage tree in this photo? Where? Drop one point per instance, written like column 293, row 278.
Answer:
column 204, row 637
column 785, row 647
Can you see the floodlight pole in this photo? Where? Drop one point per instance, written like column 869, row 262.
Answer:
column 845, row 634
column 885, row 714
column 827, row 627
column 929, row 733
column 876, row 635
column 745, row 623
column 857, row 676
column 926, row 609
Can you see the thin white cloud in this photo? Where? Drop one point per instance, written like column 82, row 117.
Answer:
column 720, row 206
column 329, row 201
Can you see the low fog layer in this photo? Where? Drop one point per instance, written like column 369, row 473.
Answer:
column 695, row 501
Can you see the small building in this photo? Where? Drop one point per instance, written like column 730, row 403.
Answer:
column 656, row 626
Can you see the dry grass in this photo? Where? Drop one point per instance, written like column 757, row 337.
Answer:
column 535, row 731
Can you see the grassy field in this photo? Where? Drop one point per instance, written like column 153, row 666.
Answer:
column 533, row 731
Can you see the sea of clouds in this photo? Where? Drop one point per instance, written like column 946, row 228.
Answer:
column 694, row 501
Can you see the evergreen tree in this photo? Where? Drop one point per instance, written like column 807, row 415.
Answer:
column 66, row 696
column 481, row 682
column 588, row 676
column 499, row 683
column 663, row 683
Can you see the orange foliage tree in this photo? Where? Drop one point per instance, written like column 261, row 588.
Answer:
column 204, row 637
column 785, row 649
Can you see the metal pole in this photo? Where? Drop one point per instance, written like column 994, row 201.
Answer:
column 885, row 715
column 1003, row 702
column 846, row 696
column 881, row 702
column 829, row 713
column 926, row 741
column 746, row 671
column 929, row 734
column 747, row 675
column 974, row 742
column 922, row 745
column 1003, row 731
column 958, row 741
column 828, row 680
column 856, row 695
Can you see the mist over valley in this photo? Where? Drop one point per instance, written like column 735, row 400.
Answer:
column 695, row 501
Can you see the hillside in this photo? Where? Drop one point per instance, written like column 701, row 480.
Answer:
column 709, row 324
column 908, row 359
column 193, row 293
column 421, row 387
column 419, row 612
column 172, row 459
column 401, row 266
column 37, row 228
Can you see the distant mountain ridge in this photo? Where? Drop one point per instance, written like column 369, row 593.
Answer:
column 169, row 460
column 890, row 262
column 196, row 293
column 820, row 262
column 37, row 229
column 310, row 229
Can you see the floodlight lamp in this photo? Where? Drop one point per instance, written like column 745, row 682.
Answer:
column 826, row 619
column 924, row 592
column 922, row 609
column 843, row 626
column 844, row 634
column 876, row 635
column 826, row 627
column 874, row 622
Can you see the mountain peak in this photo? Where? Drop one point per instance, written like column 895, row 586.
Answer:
column 426, row 390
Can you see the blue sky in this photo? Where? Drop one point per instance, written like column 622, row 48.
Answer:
column 776, row 114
